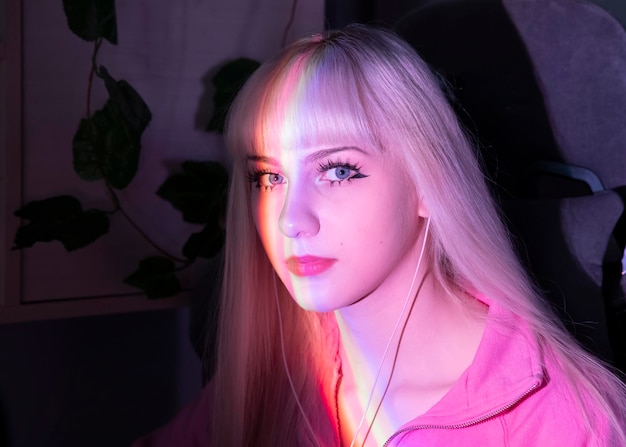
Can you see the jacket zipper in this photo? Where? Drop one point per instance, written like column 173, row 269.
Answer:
column 467, row 424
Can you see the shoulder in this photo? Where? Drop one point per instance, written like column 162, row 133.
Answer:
column 190, row 427
column 558, row 414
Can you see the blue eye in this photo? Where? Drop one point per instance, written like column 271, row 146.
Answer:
column 336, row 172
column 266, row 180
column 275, row 179
column 270, row 180
column 342, row 172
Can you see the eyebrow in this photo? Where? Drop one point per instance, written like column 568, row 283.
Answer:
column 321, row 154
column 314, row 157
column 263, row 158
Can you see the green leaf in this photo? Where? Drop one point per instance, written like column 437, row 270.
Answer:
column 127, row 101
column 108, row 144
column 104, row 147
column 86, row 149
column 60, row 218
column 92, row 19
column 228, row 81
column 206, row 243
column 156, row 276
column 199, row 191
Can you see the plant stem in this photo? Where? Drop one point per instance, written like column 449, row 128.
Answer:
column 118, row 206
column 94, row 69
column 292, row 15
column 116, row 201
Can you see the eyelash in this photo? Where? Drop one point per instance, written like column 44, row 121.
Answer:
column 330, row 164
column 255, row 177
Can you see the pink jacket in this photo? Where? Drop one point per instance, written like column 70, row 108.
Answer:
column 511, row 395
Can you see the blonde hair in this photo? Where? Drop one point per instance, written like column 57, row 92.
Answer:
column 366, row 84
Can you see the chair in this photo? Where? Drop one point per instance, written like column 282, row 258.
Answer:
column 541, row 84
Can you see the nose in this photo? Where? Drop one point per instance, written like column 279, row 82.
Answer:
column 297, row 217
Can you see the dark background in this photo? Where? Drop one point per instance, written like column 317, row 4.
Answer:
column 102, row 381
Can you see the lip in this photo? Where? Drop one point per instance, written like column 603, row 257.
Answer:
column 308, row 265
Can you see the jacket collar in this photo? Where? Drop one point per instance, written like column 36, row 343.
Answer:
column 507, row 367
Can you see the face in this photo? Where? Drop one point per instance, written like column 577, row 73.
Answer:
column 338, row 221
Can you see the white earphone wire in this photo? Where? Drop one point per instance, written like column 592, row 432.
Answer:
column 393, row 333
column 382, row 361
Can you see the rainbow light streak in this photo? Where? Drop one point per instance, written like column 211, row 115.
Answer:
column 368, row 365
column 276, row 134
column 278, row 131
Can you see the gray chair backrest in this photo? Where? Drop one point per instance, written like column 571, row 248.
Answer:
column 542, row 86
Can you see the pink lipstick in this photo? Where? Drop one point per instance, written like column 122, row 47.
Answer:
column 308, row 265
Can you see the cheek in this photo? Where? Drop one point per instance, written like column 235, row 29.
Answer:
column 266, row 212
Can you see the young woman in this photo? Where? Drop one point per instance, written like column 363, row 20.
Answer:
column 370, row 294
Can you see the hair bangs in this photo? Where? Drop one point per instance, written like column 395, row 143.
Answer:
column 312, row 101
column 327, row 109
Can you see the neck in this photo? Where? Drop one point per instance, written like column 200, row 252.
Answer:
column 395, row 376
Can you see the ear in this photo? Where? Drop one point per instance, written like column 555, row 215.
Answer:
column 422, row 211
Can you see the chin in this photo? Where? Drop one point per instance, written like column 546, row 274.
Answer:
column 315, row 305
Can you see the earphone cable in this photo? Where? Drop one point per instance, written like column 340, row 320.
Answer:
column 393, row 333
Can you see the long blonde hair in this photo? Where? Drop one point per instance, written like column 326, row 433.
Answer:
column 366, row 84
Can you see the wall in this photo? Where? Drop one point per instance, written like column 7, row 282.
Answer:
column 168, row 51
column 97, row 381
column 102, row 381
